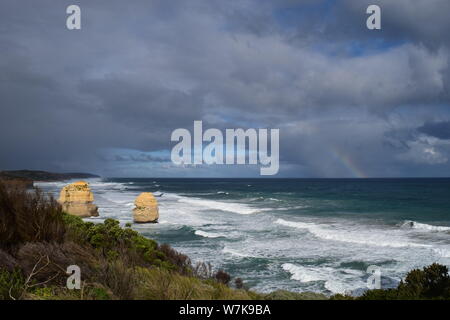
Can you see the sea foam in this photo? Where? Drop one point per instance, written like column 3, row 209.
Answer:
column 208, row 234
column 219, row 205
column 423, row 226
column 305, row 274
column 235, row 252
column 363, row 237
column 336, row 281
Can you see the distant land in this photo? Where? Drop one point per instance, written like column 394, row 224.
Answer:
column 29, row 176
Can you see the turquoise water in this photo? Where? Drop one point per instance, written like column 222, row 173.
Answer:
column 295, row 234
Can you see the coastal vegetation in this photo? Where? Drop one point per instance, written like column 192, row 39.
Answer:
column 430, row 283
column 36, row 175
column 38, row 241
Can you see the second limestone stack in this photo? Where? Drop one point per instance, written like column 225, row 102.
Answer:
column 146, row 210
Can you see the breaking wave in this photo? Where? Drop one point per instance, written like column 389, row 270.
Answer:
column 423, row 226
column 234, row 252
column 342, row 281
column 364, row 237
column 208, row 234
column 219, row 205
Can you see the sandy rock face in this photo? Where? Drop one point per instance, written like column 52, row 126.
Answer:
column 77, row 199
column 146, row 208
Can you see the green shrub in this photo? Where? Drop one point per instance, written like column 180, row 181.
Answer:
column 113, row 242
column 44, row 293
column 11, row 285
column 432, row 282
column 100, row 294
column 381, row 294
column 340, row 296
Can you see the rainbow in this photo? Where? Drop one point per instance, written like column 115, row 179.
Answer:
column 348, row 163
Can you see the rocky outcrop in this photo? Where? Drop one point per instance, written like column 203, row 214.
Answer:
column 146, row 210
column 77, row 199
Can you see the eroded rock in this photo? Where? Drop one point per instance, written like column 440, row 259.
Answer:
column 146, row 210
column 77, row 199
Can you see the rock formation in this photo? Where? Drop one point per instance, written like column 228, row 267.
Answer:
column 146, row 208
column 77, row 199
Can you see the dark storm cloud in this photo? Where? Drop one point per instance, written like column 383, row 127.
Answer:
column 420, row 21
column 439, row 130
column 347, row 100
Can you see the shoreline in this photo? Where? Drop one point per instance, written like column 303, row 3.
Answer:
column 142, row 268
column 185, row 216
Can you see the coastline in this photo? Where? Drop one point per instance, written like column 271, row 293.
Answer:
column 119, row 263
column 212, row 226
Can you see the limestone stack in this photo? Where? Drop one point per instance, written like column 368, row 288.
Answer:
column 77, row 199
column 146, row 208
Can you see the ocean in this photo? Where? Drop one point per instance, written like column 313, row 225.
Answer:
column 316, row 235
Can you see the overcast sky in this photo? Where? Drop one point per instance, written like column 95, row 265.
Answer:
column 349, row 102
